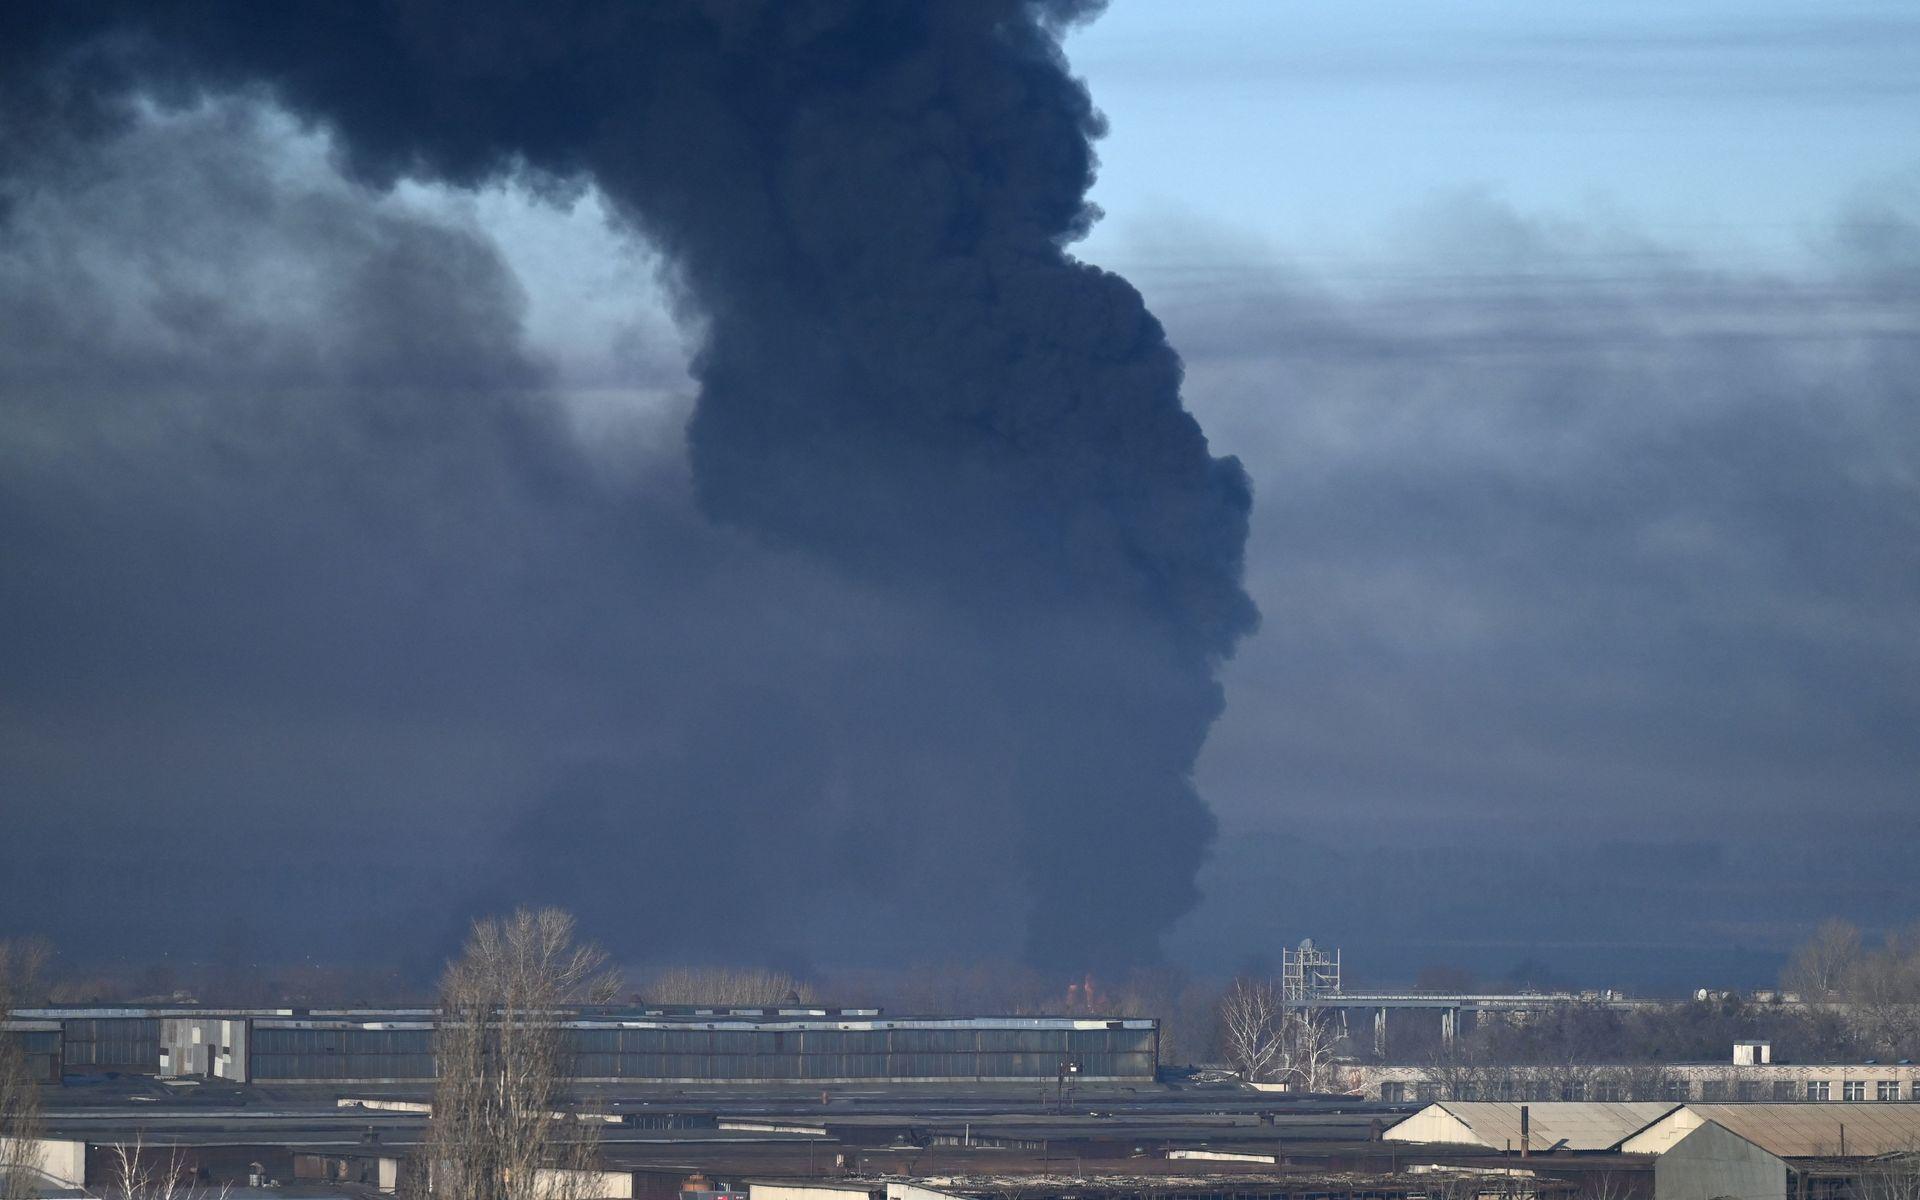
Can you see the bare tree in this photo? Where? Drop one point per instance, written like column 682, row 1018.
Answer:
column 23, row 962
column 1251, row 1014
column 135, row 1174
column 1891, row 1177
column 1307, row 1042
column 1882, row 992
column 1819, row 967
column 741, row 987
column 1460, row 1074
column 496, row 1132
column 20, row 964
column 1641, row 1081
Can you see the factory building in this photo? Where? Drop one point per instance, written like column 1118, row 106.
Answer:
column 668, row 1050
column 126, row 1038
column 38, row 1043
column 660, row 1043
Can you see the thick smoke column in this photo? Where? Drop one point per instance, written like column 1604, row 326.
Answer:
column 903, row 374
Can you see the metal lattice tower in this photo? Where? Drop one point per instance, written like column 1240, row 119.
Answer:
column 1309, row 975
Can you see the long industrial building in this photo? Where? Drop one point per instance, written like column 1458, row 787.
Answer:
column 796, row 1045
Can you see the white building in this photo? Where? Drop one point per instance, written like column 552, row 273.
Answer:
column 1693, row 1151
column 1749, row 1075
column 1535, row 1128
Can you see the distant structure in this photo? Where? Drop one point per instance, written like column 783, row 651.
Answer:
column 604, row 1044
column 1749, row 1076
column 1309, row 976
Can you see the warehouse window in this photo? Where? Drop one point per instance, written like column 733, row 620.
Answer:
column 1853, row 1089
column 1888, row 1089
column 1784, row 1090
column 1393, row 1093
column 1817, row 1090
column 1713, row 1089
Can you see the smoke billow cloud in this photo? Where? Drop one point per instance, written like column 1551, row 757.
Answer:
column 912, row 643
column 1591, row 561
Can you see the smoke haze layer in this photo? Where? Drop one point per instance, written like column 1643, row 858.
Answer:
column 932, row 625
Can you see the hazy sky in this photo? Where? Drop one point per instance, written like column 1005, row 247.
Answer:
column 1571, row 350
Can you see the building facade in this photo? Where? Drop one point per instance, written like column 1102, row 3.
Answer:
column 1767, row 1082
column 740, row 1050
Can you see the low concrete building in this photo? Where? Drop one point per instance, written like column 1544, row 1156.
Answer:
column 1756, row 1080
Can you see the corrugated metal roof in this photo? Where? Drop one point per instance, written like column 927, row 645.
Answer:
column 1572, row 1125
column 1809, row 1130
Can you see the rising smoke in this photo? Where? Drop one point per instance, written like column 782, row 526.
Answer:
column 977, row 720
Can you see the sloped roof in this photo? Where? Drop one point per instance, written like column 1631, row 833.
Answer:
column 1804, row 1130
column 1573, row 1125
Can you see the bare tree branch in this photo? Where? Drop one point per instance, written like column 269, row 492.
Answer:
column 497, row 1131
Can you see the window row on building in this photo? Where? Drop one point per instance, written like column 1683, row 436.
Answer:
column 1676, row 1090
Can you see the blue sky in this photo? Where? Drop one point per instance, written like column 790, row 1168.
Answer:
column 1738, row 127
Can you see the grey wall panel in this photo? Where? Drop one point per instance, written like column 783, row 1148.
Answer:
column 957, row 1052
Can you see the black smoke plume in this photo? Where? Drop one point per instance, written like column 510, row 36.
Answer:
column 904, row 379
